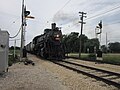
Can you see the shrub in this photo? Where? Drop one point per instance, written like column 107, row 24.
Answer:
column 12, row 60
column 92, row 56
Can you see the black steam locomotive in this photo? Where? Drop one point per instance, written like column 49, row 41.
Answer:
column 48, row 45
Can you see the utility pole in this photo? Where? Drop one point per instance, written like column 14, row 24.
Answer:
column 81, row 21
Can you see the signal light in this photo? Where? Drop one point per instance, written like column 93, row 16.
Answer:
column 100, row 24
column 26, row 13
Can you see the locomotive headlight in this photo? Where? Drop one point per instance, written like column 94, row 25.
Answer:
column 57, row 36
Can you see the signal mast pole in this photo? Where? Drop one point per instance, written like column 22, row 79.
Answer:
column 81, row 18
column 22, row 29
column 25, row 14
column 98, row 31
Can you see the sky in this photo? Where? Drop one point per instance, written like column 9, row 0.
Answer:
column 65, row 13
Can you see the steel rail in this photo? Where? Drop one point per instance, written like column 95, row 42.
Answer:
column 93, row 68
column 90, row 75
column 97, row 61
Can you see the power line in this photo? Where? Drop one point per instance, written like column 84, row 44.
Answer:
column 63, row 6
column 17, row 33
column 112, row 23
column 92, row 26
column 103, row 25
column 103, row 13
column 99, row 14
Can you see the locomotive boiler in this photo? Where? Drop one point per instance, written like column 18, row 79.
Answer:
column 48, row 45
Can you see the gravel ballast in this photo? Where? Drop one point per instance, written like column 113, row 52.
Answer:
column 109, row 67
column 46, row 75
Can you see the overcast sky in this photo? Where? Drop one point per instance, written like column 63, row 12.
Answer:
column 65, row 14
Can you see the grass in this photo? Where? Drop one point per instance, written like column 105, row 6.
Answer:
column 11, row 58
column 113, row 58
column 83, row 55
column 17, row 52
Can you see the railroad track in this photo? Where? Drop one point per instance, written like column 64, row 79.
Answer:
column 111, row 78
column 97, row 61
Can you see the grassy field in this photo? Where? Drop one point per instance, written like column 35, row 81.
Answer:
column 114, row 58
column 110, row 57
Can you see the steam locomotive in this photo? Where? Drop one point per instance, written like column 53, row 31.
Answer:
column 48, row 45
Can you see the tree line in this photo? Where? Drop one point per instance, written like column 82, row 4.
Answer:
column 72, row 44
column 112, row 48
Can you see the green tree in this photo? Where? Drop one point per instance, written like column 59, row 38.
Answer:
column 104, row 49
column 72, row 42
column 91, row 44
column 84, row 40
column 114, row 47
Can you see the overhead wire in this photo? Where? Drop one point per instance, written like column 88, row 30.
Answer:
column 103, row 25
column 112, row 23
column 17, row 33
column 92, row 17
column 58, row 11
column 63, row 7
column 103, row 13
column 117, row 7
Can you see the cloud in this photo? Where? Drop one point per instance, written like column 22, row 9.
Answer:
column 64, row 18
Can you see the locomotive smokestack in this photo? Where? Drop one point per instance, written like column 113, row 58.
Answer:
column 53, row 26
